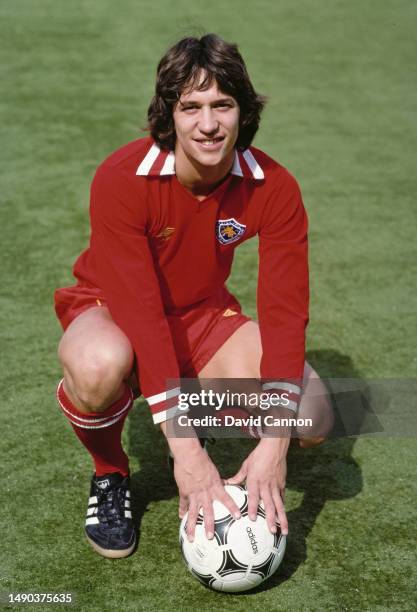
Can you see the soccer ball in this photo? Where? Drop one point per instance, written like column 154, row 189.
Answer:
column 242, row 554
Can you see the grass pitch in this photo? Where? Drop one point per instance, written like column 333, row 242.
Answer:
column 77, row 78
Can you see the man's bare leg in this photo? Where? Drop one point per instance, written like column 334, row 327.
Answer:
column 96, row 358
column 240, row 357
column 264, row 470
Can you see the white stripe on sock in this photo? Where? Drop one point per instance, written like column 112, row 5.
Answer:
column 104, row 420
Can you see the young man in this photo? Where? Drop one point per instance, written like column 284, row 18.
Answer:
column 166, row 215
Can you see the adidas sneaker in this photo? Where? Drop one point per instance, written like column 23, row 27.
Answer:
column 109, row 526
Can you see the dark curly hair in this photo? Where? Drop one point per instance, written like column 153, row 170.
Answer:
column 180, row 70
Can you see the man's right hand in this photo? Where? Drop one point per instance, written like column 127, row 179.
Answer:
column 199, row 484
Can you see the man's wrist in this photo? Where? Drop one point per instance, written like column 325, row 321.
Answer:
column 277, row 422
column 182, row 448
column 276, row 445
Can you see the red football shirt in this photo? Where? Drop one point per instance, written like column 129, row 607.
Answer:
column 137, row 201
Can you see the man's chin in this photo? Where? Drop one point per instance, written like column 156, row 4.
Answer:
column 210, row 161
column 210, row 158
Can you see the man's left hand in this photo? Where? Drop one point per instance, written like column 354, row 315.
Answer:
column 265, row 471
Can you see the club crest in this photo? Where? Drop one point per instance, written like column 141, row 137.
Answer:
column 229, row 230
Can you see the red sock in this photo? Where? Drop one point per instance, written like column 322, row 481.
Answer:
column 101, row 432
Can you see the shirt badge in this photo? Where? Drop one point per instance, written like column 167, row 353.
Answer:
column 229, row 230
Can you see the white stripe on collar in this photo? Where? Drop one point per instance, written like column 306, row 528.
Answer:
column 169, row 165
column 148, row 161
column 149, row 167
column 236, row 168
column 253, row 165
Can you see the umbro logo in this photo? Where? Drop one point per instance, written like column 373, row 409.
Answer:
column 166, row 233
column 229, row 313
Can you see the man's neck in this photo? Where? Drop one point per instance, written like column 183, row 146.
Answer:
column 198, row 179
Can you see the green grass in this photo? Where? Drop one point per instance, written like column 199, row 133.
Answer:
column 77, row 77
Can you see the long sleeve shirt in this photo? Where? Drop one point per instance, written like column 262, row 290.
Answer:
column 155, row 248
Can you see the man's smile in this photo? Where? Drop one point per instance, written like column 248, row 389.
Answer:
column 211, row 144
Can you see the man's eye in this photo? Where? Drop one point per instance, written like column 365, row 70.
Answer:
column 189, row 108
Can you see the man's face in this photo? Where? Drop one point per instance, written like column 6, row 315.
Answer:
column 206, row 125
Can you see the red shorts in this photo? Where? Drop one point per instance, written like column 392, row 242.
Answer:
column 198, row 331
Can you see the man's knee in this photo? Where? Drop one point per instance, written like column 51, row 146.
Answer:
column 315, row 410
column 94, row 377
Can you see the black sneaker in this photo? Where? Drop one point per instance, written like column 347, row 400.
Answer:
column 109, row 526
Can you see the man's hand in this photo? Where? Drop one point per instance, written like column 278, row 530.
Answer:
column 265, row 471
column 198, row 480
column 199, row 484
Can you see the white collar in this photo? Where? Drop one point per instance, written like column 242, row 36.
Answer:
column 162, row 163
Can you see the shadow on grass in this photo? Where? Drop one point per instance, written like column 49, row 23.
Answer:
column 328, row 472
column 153, row 481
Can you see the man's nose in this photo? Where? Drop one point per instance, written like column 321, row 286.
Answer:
column 208, row 123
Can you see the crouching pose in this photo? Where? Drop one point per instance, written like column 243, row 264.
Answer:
column 167, row 212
